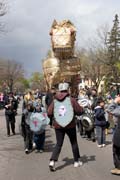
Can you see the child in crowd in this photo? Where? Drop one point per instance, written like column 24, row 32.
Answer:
column 100, row 123
column 39, row 137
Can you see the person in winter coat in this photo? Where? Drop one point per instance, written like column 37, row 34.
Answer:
column 114, row 109
column 28, row 134
column 100, row 123
column 11, row 106
column 91, row 133
column 69, row 129
column 48, row 100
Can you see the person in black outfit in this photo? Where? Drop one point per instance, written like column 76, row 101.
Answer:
column 58, row 109
column 48, row 100
column 10, row 112
column 91, row 134
column 25, row 125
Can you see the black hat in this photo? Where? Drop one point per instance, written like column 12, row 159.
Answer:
column 99, row 100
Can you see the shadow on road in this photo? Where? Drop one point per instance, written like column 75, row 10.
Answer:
column 67, row 162
column 108, row 142
column 84, row 158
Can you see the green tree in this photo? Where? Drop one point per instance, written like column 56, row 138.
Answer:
column 25, row 82
column 22, row 85
column 37, row 81
column 113, row 43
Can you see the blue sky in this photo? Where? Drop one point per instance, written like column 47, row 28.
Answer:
column 28, row 24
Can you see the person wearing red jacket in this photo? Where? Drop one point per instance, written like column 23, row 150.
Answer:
column 69, row 129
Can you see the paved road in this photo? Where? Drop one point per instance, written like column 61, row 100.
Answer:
column 16, row 165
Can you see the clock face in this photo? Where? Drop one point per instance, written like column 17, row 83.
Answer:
column 61, row 37
column 61, row 40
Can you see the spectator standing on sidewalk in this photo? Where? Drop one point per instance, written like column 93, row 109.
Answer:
column 100, row 123
column 10, row 112
column 64, row 108
column 114, row 109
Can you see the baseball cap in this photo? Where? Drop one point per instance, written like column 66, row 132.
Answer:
column 63, row 86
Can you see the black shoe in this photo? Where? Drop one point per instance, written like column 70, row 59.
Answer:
column 93, row 140
column 26, row 151
column 8, row 135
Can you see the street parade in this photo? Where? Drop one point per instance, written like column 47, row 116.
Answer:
column 63, row 122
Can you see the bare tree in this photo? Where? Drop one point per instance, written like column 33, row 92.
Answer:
column 11, row 72
column 14, row 72
column 3, row 11
column 94, row 56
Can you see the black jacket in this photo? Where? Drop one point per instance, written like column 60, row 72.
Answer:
column 100, row 119
column 49, row 98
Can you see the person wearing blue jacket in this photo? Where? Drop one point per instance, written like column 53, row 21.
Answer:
column 100, row 123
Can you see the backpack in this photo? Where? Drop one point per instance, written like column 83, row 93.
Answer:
column 63, row 111
column 38, row 122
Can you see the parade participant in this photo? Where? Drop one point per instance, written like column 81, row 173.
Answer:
column 49, row 96
column 94, row 98
column 39, row 132
column 10, row 112
column 48, row 99
column 91, row 134
column 86, row 121
column 100, row 123
column 28, row 97
column 28, row 135
column 63, row 109
column 114, row 109
column 40, row 95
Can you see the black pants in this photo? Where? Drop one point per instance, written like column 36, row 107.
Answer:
column 60, row 134
column 39, row 140
column 80, row 127
column 91, row 134
column 23, row 129
column 51, row 121
column 28, row 138
column 116, row 156
column 10, row 121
